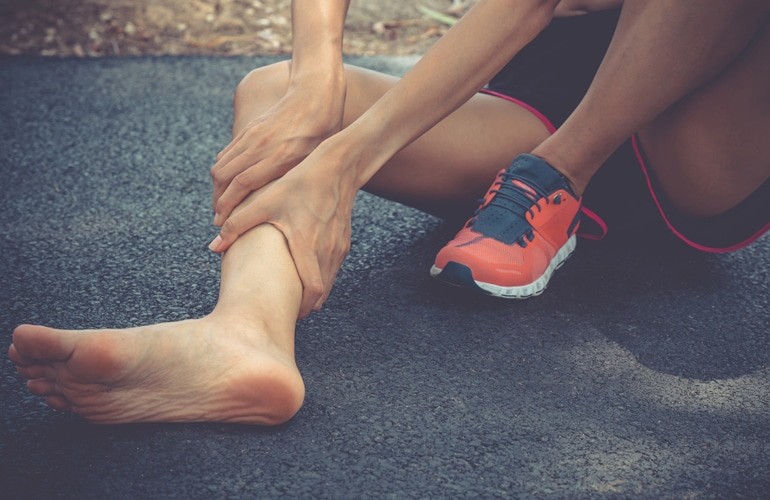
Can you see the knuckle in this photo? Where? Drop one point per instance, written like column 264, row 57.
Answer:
column 230, row 227
column 217, row 175
column 242, row 181
column 316, row 288
column 221, row 205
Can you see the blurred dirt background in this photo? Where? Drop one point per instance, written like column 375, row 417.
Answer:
column 93, row 28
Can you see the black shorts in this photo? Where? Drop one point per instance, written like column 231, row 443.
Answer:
column 551, row 75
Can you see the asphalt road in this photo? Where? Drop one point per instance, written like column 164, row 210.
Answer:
column 643, row 371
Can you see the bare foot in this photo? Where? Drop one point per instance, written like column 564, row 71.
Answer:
column 198, row 370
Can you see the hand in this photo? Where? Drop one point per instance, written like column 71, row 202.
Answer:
column 271, row 145
column 312, row 208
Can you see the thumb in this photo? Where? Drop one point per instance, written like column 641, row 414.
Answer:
column 237, row 224
column 308, row 270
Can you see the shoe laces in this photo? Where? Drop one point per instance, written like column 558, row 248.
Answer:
column 518, row 198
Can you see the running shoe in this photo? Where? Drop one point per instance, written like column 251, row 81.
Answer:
column 524, row 229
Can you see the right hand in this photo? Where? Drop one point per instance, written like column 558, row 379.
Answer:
column 271, row 145
column 311, row 205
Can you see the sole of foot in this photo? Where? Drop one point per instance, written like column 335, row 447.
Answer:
column 205, row 370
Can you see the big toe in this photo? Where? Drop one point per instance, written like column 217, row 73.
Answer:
column 39, row 343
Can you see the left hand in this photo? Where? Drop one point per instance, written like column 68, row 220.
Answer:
column 273, row 143
column 312, row 207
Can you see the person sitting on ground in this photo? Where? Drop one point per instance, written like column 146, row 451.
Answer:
column 686, row 82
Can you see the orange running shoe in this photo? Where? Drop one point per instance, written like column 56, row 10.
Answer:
column 523, row 231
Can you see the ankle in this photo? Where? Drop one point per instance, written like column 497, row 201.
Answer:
column 576, row 178
column 255, row 330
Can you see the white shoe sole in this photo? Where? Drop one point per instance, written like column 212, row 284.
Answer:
column 461, row 275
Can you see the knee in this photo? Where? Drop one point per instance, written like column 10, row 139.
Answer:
column 266, row 82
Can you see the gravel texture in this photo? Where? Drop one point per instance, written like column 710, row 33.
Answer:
column 643, row 370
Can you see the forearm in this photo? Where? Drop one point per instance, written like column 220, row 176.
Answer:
column 462, row 62
column 317, row 32
column 317, row 74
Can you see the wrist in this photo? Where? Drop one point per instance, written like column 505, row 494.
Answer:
column 322, row 94
column 327, row 80
column 357, row 155
column 319, row 63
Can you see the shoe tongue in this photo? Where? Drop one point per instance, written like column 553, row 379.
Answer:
column 501, row 224
column 540, row 172
column 528, row 191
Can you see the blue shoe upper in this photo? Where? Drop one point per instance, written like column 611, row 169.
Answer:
column 504, row 217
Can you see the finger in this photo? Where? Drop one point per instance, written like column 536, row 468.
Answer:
column 309, row 271
column 243, row 184
column 224, row 175
column 223, row 151
column 233, row 151
column 236, row 141
column 250, row 216
column 42, row 387
column 235, row 148
column 332, row 265
column 328, row 277
column 227, row 148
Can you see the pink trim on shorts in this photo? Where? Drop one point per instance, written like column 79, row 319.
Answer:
column 540, row 116
column 732, row 248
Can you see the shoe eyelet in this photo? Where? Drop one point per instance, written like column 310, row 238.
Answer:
column 557, row 199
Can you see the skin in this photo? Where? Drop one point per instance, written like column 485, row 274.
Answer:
column 307, row 111
column 237, row 364
column 231, row 366
column 316, row 222
column 267, row 149
column 707, row 36
column 623, row 98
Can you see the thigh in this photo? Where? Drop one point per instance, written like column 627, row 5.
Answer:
column 442, row 172
column 709, row 151
column 449, row 167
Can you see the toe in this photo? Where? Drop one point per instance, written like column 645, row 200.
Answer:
column 36, row 371
column 17, row 358
column 58, row 403
column 39, row 343
column 42, row 387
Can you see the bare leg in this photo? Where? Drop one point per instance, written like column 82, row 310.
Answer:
column 719, row 130
column 445, row 170
column 661, row 52
column 235, row 365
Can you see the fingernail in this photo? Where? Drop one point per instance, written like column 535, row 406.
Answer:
column 217, row 222
column 214, row 245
